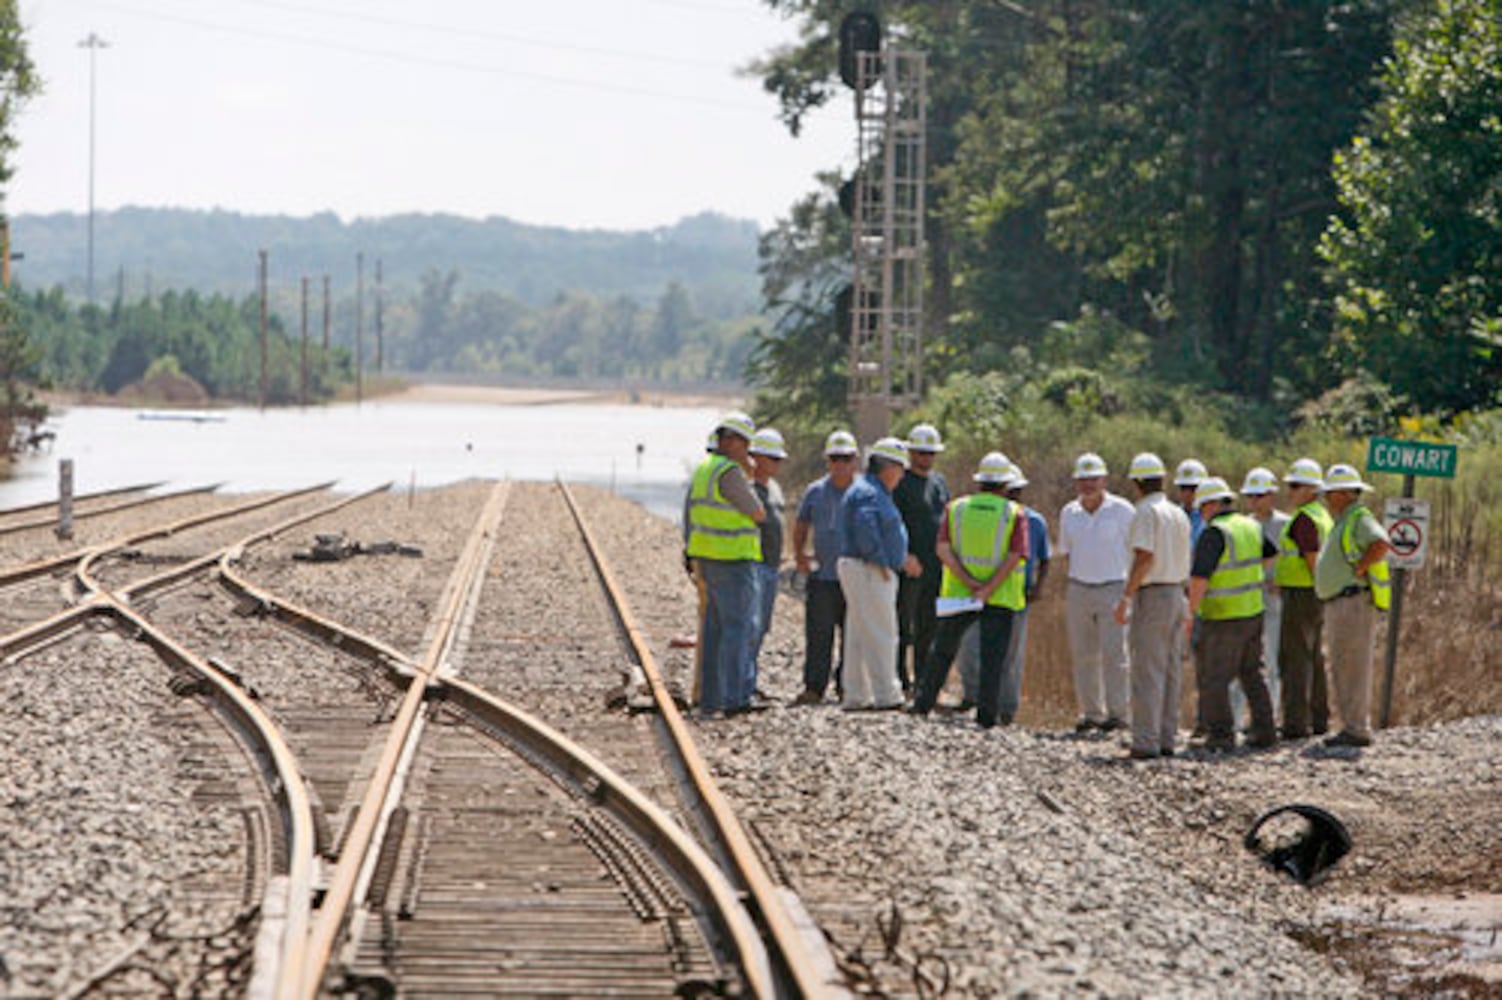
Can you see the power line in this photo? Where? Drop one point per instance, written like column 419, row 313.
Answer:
column 472, row 33
column 451, row 64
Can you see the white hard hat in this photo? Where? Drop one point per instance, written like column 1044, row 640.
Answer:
column 1259, row 481
column 892, row 449
column 1018, row 480
column 1344, row 477
column 1147, row 466
column 994, row 468
column 768, row 441
column 737, row 423
column 1212, row 488
column 841, row 443
column 1089, row 466
column 924, row 437
column 1191, row 472
column 1305, row 471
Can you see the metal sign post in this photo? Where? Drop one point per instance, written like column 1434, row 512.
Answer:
column 65, row 499
column 1407, row 522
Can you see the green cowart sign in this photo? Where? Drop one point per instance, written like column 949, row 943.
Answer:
column 1412, row 458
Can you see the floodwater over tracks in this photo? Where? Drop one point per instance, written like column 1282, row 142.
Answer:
column 643, row 452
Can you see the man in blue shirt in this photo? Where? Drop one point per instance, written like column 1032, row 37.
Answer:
column 873, row 551
column 824, row 602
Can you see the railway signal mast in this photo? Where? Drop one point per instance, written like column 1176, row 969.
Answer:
column 886, row 204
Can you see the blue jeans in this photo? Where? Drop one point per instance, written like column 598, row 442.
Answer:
column 766, row 598
column 726, row 633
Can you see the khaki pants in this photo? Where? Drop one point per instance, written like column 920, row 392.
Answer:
column 870, row 635
column 1349, row 625
column 1157, row 667
column 1097, row 645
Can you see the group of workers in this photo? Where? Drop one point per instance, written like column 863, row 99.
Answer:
column 900, row 570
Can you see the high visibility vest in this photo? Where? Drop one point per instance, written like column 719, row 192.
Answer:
column 1291, row 569
column 1235, row 590
column 716, row 530
column 980, row 533
column 1378, row 580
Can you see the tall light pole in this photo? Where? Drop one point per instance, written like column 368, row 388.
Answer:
column 93, row 43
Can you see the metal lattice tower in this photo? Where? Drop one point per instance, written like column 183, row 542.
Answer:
column 886, row 314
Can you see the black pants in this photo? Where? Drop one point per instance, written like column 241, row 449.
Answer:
column 1232, row 650
column 1301, row 663
column 995, row 636
column 824, row 613
column 916, row 620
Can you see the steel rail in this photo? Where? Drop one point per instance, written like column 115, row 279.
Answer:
column 334, row 911
column 41, row 567
column 77, row 497
column 689, row 861
column 82, row 515
column 167, row 530
column 785, row 941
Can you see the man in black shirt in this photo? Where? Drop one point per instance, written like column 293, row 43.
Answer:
column 921, row 497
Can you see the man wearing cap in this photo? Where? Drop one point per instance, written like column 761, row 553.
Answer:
column 1301, row 656
column 1093, row 535
column 767, row 452
column 1153, row 600
column 1259, row 494
column 1351, row 578
column 921, row 498
column 982, row 542
column 873, row 550
column 824, row 601
column 1225, row 593
column 1035, row 569
column 723, row 540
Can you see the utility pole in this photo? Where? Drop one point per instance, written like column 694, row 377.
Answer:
column 327, row 316
column 93, row 43
column 359, row 327
column 380, row 309
column 302, row 391
column 262, row 283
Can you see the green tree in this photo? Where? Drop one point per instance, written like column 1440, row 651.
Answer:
column 18, row 83
column 1416, row 253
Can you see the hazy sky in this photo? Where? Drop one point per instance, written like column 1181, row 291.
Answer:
column 581, row 113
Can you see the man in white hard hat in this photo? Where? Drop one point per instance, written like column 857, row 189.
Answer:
column 1035, row 568
column 1187, row 477
column 982, row 543
column 873, row 551
column 1093, row 537
column 1225, row 593
column 1259, row 493
column 1153, row 600
column 1301, row 655
column 767, row 452
column 723, row 542
column 1351, row 577
column 921, row 498
column 824, row 601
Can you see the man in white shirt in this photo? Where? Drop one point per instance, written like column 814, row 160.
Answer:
column 1093, row 536
column 1154, row 601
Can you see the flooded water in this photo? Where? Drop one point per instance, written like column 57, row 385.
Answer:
column 643, row 452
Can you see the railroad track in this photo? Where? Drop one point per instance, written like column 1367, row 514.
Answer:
column 455, row 841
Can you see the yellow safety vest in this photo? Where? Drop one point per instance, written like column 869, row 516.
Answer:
column 1235, row 590
column 1378, row 580
column 1291, row 570
column 716, row 530
column 980, row 532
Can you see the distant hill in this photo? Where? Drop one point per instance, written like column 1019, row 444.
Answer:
column 150, row 250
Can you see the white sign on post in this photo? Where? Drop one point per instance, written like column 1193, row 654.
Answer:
column 1407, row 522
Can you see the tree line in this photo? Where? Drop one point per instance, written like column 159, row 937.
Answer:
column 1273, row 199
